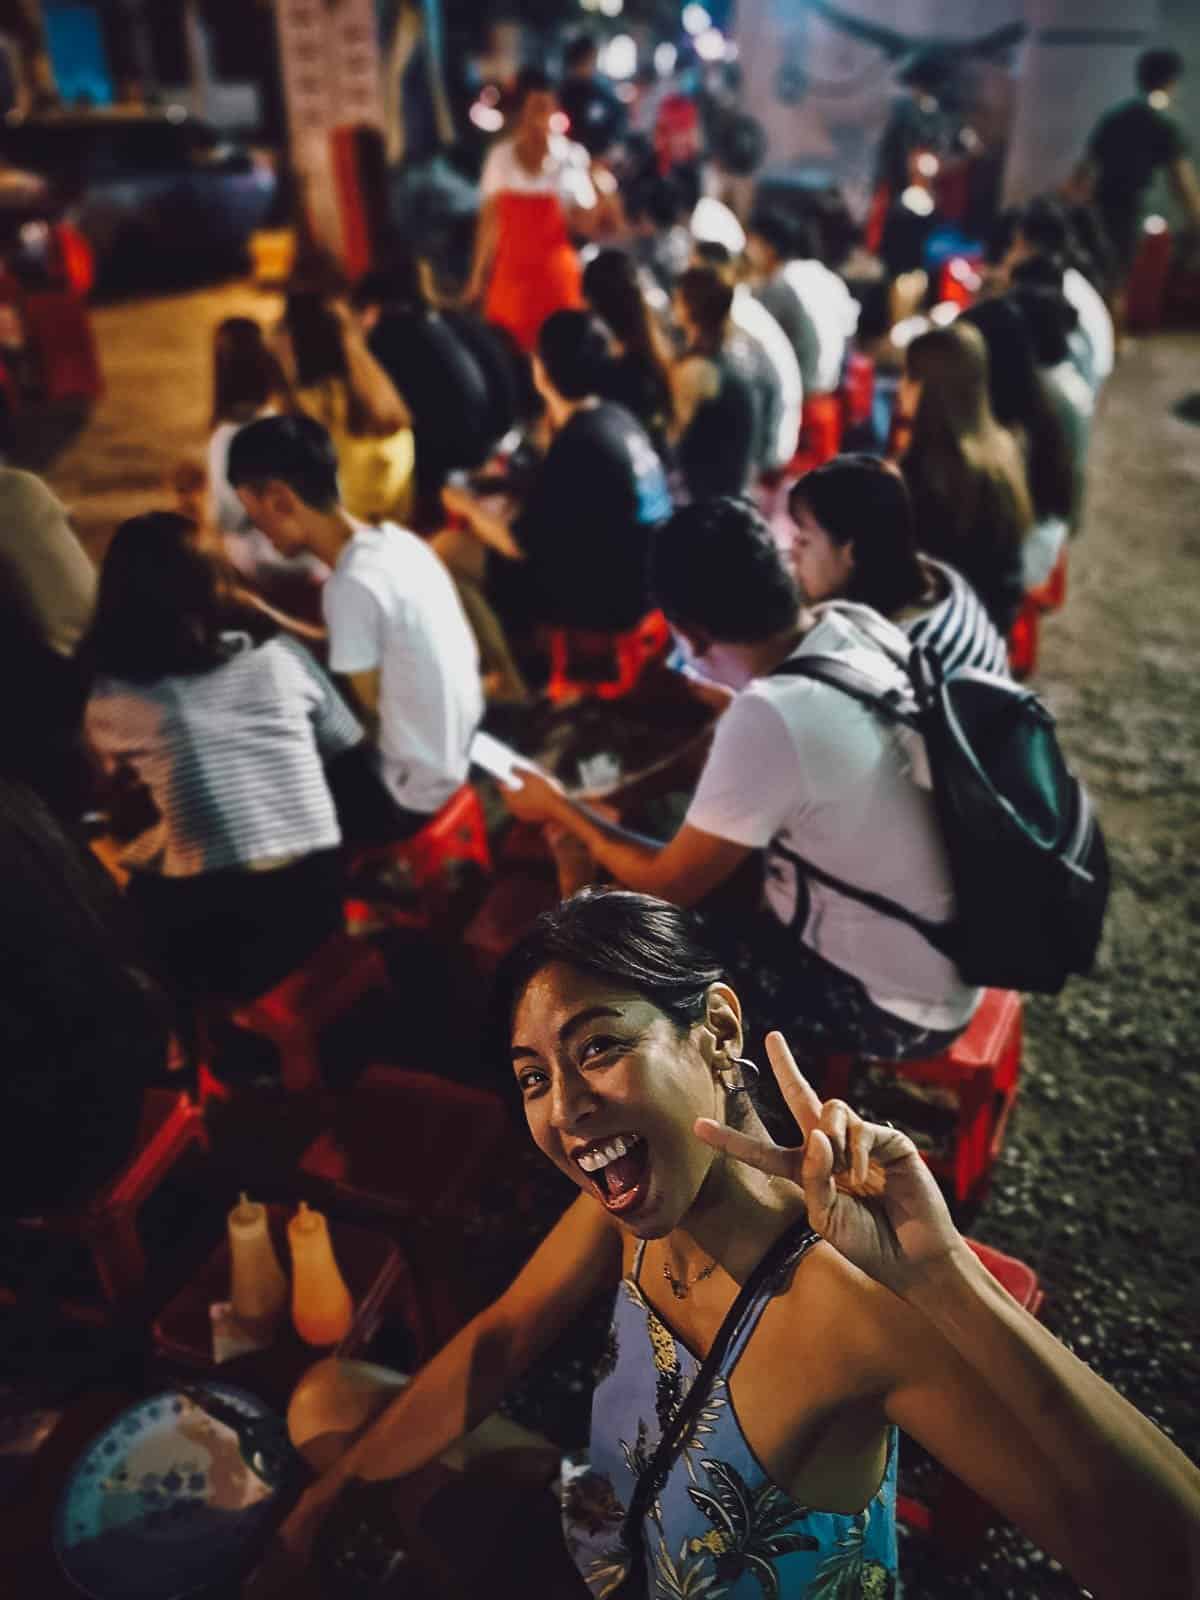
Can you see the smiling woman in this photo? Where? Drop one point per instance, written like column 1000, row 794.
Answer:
column 744, row 1424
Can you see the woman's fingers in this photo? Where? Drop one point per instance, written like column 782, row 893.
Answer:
column 816, row 1176
column 761, row 1153
column 802, row 1100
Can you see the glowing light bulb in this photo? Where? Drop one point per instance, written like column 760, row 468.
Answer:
column 619, row 57
column 710, row 45
column 917, row 200
column 696, row 19
column 665, row 57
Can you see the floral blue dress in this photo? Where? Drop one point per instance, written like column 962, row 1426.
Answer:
column 719, row 1529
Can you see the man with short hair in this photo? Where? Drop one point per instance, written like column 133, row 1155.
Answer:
column 397, row 633
column 1129, row 145
column 576, row 551
column 810, row 303
column 596, row 115
column 805, row 774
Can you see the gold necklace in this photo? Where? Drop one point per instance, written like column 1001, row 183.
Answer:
column 682, row 1287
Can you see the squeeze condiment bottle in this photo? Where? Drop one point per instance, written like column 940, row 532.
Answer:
column 259, row 1289
column 322, row 1309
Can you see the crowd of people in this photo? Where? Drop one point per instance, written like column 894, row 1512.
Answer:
column 404, row 489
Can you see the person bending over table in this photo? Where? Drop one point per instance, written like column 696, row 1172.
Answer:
column 802, row 772
column 867, row 1312
column 576, row 554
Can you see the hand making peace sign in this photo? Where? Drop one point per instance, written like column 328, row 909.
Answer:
column 894, row 1233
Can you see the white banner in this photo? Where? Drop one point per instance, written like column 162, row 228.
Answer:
column 329, row 55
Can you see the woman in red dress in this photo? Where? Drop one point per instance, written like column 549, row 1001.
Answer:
column 537, row 189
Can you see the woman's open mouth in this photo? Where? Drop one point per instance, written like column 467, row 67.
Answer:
column 618, row 1170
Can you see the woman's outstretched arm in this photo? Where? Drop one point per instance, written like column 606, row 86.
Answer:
column 970, row 1372
column 466, row 1380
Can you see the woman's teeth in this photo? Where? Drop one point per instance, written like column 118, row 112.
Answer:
column 599, row 1156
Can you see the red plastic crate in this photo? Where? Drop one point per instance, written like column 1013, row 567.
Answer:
column 982, row 1067
column 409, row 1144
column 958, row 1518
column 858, row 390
column 1023, row 639
column 630, row 653
column 458, row 832
column 171, row 1124
column 293, row 1013
column 512, row 905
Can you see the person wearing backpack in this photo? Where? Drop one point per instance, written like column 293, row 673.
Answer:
column 805, row 774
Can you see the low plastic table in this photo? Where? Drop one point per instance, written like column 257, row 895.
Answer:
column 183, row 1330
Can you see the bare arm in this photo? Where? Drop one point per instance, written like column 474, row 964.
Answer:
column 1186, row 186
column 486, row 234
column 991, row 1391
column 693, row 381
column 376, row 391
column 364, row 690
column 1083, row 1472
column 684, row 870
column 466, row 1380
column 488, row 526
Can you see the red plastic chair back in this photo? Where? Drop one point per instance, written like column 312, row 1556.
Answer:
column 858, row 390
column 1023, row 640
column 631, row 653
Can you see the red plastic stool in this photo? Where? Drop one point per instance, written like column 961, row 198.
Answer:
column 958, row 1518
column 512, row 905
column 631, row 653
column 1023, row 639
column 1052, row 595
column 1147, row 286
column 981, row 1068
column 171, row 1123
column 858, row 390
column 409, row 1144
column 458, row 832
column 820, row 432
column 293, row 1013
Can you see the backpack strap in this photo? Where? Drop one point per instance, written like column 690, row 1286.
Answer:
column 841, row 674
column 654, row 1473
column 941, row 935
column 851, row 680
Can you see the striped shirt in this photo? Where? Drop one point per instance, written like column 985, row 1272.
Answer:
column 233, row 757
column 958, row 629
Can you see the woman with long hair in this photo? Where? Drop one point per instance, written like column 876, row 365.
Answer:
column 1021, row 403
column 856, row 540
column 779, row 1311
column 340, row 384
column 964, row 471
column 229, row 727
column 639, row 376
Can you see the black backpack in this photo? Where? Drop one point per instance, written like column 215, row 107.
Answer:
column 1027, row 857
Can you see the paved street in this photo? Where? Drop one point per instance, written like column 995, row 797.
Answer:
column 156, row 356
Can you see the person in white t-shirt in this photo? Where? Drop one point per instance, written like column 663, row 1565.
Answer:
column 398, row 636
column 805, row 774
column 810, row 303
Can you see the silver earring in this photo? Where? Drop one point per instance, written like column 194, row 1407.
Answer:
column 733, row 1085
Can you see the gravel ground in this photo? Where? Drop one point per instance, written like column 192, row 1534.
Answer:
column 1097, row 1188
